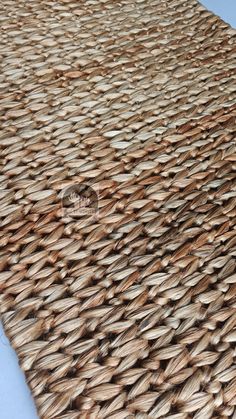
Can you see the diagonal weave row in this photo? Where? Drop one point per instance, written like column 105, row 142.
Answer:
column 129, row 312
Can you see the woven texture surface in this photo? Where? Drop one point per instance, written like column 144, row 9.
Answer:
column 129, row 312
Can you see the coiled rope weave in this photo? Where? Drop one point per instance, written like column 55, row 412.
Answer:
column 129, row 313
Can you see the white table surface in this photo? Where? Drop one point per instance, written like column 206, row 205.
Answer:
column 226, row 9
column 15, row 398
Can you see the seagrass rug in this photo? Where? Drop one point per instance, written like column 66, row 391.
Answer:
column 118, row 206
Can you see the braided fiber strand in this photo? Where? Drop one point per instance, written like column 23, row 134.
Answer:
column 130, row 311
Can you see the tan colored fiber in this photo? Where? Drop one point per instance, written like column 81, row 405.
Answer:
column 118, row 206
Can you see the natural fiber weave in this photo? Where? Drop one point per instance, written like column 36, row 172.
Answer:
column 129, row 312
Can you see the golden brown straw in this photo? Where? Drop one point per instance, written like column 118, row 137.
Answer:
column 127, row 310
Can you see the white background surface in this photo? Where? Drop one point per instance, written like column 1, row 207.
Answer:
column 15, row 399
column 226, row 9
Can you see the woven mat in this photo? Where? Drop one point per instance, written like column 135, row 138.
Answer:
column 118, row 206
